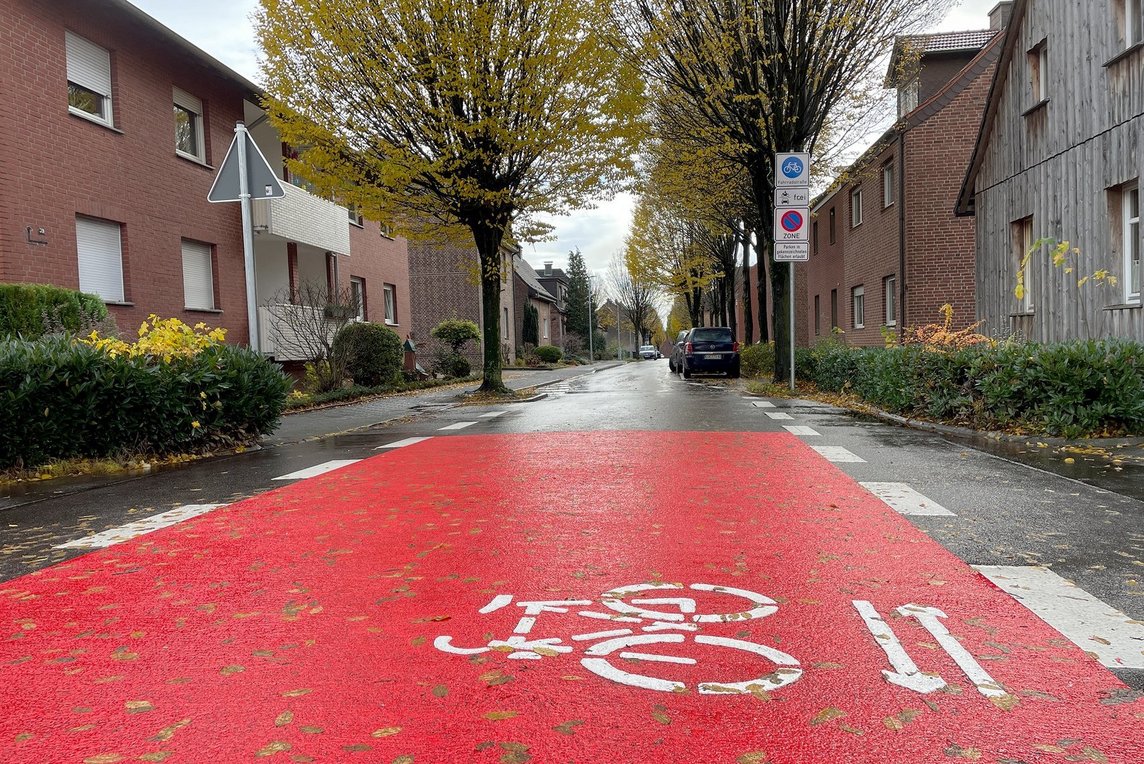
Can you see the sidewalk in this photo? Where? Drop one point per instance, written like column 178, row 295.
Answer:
column 308, row 425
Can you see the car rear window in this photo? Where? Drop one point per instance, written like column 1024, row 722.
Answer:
column 711, row 335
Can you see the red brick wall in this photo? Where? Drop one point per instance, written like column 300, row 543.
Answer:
column 941, row 247
column 443, row 284
column 54, row 165
column 380, row 260
column 825, row 270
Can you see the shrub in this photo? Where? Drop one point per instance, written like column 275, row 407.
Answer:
column 32, row 310
column 450, row 364
column 549, row 353
column 757, row 360
column 455, row 332
column 371, row 352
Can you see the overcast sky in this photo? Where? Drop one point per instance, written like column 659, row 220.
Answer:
column 223, row 29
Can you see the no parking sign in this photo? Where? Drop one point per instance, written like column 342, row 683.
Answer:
column 791, row 224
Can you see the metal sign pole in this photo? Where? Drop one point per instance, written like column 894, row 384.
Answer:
column 790, row 267
column 247, row 238
column 591, row 351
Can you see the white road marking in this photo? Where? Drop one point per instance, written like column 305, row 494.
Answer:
column 657, row 658
column 401, row 443
column 779, row 415
column 456, row 426
column 763, row 404
column 797, row 429
column 1096, row 627
column 491, row 414
column 319, row 469
column 905, row 500
column 139, row 527
column 837, row 454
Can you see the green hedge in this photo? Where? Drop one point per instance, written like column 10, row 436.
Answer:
column 549, row 353
column 372, row 353
column 1067, row 389
column 757, row 360
column 24, row 308
column 61, row 399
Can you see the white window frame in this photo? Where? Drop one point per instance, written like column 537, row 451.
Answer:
column 1022, row 233
column 357, row 294
column 1131, row 243
column 198, row 275
column 888, row 188
column 891, row 300
column 1131, row 22
column 389, row 292
column 1039, row 71
column 99, row 252
column 545, row 335
column 184, row 101
column 504, row 325
column 356, row 218
column 858, row 306
column 856, row 207
column 908, row 97
column 89, row 68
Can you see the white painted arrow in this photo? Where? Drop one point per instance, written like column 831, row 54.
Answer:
column 906, row 673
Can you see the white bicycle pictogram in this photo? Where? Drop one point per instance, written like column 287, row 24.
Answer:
column 629, row 605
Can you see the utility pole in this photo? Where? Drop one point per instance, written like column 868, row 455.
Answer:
column 591, row 331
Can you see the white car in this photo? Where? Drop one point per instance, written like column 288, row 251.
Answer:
column 649, row 352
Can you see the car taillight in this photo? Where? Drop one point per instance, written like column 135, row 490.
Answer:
column 687, row 348
column 735, row 346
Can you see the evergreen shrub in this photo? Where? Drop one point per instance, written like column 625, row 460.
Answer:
column 757, row 360
column 549, row 353
column 372, row 353
column 28, row 310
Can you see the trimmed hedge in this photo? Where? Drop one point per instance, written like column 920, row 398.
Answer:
column 372, row 353
column 549, row 353
column 1066, row 389
column 61, row 399
column 23, row 308
column 757, row 360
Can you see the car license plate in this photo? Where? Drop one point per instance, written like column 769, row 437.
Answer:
column 712, row 355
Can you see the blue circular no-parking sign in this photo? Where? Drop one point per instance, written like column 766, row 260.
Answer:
column 791, row 221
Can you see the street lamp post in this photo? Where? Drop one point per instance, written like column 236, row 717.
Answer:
column 591, row 331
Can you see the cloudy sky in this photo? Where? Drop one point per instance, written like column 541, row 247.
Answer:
column 223, row 29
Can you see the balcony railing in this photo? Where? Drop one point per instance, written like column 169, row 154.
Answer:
column 301, row 217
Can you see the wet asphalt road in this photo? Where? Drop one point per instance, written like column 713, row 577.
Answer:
column 1005, row 513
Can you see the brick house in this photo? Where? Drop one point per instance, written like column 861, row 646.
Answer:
column 555, row 282
column 528, row 290
column 887, row 250
column 117, row 129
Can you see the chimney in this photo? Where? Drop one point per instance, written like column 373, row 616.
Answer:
column 548, row 268
column 999, row 16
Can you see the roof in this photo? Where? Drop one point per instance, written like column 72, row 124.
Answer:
column 965, row 199
column 931, row 44
column 529, row 277
column 182, row 45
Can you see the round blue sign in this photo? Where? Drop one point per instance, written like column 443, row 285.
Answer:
column 791, row 221
column 792, row 167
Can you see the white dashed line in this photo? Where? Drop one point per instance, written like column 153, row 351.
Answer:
column 798, row 429
column 456, row 426
column 491, row 414
column 1096, row 627
column 837, row 454
column 401, row 443
column 319, row 469
column 905, row 500
column 139, row 527
column 763, row 404
column 779, row 415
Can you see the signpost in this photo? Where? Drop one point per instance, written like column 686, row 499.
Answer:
column 792, row 221
column 244, row 175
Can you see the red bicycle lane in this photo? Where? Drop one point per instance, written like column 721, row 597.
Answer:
column 604, row 596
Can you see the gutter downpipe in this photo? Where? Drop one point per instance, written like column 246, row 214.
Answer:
column 902, row 234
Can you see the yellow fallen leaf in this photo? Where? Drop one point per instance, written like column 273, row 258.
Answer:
column 496, row 716
column 284, row 718
column 754, row 757
column 440, row 691
column 139, row 706
column 385, row 732
column 827, row 714
column 659, row 713
column 272, row 748
column 103, row 758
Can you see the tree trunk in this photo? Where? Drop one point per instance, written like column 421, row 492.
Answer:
column 748, row 318
column 761, row 269
column 732, row 287
column 488, row 237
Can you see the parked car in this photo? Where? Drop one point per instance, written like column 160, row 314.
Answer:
column 649, row 352
column 675, row 360
column 710, row 350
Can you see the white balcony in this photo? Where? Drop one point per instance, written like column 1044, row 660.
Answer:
column 301, row 217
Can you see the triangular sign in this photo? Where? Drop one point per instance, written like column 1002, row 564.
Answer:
column 261, row 181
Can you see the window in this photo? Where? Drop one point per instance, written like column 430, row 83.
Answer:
column 1021, row 233
column 356, row 217
column 1039, row 71
column 858, row 299
column 504, row 325
column 89, row 79
column 99, row 246
column 190, row 141
column 887, row 184
column 545, row 335
column 891, row 291
column 357, row 294
column 390, row 293
column 198, row 276
column 817, row 318
column 814, row 236
column 833, row 309
column 856, row 207
column 1131, row 247
column 386, row 230
column 1130, row 19
column 832, row 236
column 908, row 98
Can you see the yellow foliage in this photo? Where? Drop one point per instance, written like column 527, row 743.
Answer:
column 941, row 337
column 161, row 338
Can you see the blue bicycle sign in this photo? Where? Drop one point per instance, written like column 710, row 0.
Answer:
column 792, row 168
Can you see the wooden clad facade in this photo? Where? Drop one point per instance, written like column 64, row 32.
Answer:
column 1060, row 157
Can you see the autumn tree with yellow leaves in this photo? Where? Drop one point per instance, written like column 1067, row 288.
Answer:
column 471, row 116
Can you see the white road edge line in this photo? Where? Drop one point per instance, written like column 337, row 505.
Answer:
column 130, row 530
column 456, row 426
column 837, row 454
column 318, row 469
column 778, row 415
column 905, row 500
column 798, row 429
column 403, row 443
column 1094, row 626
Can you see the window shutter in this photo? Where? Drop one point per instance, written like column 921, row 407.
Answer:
column 100, row 250
column 88, row 65
column 187, row 101
column 198, row 279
